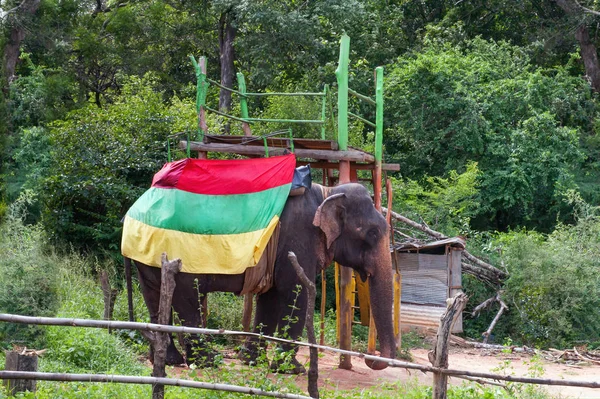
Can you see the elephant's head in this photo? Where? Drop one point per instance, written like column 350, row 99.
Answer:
column 358, row 237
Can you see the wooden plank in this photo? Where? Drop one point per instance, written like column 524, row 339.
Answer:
column 346, row 292
column 349, row 155
column 455, row 282
column 282, row 142
column 393, row 167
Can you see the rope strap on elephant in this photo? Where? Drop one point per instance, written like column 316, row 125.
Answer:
column 217, row 216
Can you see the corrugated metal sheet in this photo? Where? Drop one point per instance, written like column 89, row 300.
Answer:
column 456, row 242
column 424, row 278
column 423, row 316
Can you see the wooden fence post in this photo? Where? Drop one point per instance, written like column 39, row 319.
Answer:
column 21, row 361
column 439, row 355
column 160, row 340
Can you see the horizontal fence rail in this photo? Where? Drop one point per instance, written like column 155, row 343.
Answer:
column 72, row 322
column 125, row 379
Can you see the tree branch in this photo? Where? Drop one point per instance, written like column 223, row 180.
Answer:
column 500, row 275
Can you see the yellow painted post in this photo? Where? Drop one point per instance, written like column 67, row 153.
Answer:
column 362, row 287
column 397, row 301
column 346, row 292
column 337, row 302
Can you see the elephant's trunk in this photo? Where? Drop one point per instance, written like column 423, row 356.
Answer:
column 381, row 297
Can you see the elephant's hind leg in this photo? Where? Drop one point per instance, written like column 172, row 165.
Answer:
column 265, row 322
column 292, row 317
column 149, row 278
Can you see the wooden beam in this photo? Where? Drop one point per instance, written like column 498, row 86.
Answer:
column 348, row 155
column 392, row 167
column 346, row 292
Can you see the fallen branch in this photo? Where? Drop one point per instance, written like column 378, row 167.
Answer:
column 503, row 308
column 499, row 274
column 585, row 358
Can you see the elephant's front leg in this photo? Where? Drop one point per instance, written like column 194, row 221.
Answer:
column 292, row 318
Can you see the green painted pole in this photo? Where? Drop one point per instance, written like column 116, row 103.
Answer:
column 323, row 111
column 379, row 114
column 341, row 74
column 243, row 103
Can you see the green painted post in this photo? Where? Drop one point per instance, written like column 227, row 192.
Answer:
column 201, row 90
column 243, row 100
column 243, row 103
column 323, row 111
column 342, row 78
column 379, row 114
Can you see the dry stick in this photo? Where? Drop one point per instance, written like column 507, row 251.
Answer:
column 126, row 379
column 193, row 330
column 439, row 355
column 585, row 358
column 503, row 308
column 109, row 294
column 436, row 234
column 313, row 370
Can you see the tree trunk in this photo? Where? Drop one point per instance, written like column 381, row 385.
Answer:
column 587, row 48
column 17, row 33
column 227, row 32
column 589, row 56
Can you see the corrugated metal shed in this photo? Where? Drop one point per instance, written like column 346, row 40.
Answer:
column 431, row 273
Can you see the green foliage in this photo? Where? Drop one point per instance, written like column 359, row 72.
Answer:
column 28, row 276
column 29, row 166
column 483, row 102
column 104, row 159
column 446, row 204
column 40, row 95
column 554, row 287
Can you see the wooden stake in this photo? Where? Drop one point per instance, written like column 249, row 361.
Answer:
column 160, row 340
column 439, row 355
column 20, row 361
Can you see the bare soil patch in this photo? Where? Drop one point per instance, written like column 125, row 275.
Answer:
column 331, row 377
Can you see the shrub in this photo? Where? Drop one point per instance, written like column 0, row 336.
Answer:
column 553, row 291
column 28, row 276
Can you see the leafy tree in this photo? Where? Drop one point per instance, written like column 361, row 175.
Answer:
column 484, row 102
column 554, row 283
column 103, row 160
column 445, row 204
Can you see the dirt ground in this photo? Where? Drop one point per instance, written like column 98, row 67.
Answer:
column 334, row 378
column 462, row 359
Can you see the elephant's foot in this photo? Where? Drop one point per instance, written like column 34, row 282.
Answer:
column 173, row 358
column 287, row 365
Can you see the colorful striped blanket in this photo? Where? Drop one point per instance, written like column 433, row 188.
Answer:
column 216, row 215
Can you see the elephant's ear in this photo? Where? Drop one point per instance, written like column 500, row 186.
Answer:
column 330, row 217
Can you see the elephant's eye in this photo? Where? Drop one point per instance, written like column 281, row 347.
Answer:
column 372, row 236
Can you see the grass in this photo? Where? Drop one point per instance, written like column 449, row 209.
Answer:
column 85, row 350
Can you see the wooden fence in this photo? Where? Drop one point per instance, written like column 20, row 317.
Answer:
column 439, row 370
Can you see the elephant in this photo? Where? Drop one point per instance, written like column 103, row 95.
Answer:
column 322, row 225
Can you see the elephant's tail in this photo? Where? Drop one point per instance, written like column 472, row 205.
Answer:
column 127, row 263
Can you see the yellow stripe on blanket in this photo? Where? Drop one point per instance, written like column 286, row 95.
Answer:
column 218, row 254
